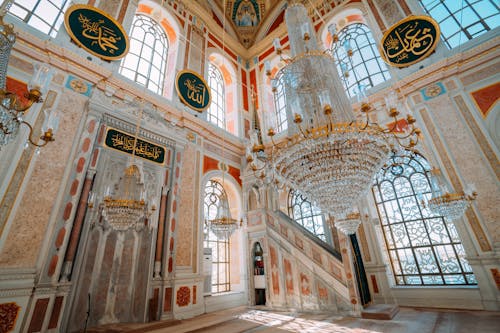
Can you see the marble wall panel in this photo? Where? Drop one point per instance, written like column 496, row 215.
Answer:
column 188, row 212
column 110, row 7
column 390, row 10
column 197, row 51
column 29, row 226
column 445, row 159
column 288, row 276
column 469, row 160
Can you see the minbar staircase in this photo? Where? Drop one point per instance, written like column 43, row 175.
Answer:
column 309, row 274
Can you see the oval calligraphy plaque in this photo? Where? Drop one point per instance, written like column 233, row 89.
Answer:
column 193, row 90
column 96, row 32
column 409, row 41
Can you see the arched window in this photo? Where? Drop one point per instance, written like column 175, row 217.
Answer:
column 424, row 249
column 457, row 25
column 44, row 15
column 217, row 110
column 304, row 213
column 280, row 104
column 213, row 195
column 146, row 60
column 365, row 67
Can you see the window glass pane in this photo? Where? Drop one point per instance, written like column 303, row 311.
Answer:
column 463, row 20
column 43, row 15
column 423, row 248
column 39, row 24
column 28, row 4
column 305, row 214
column 365, row 61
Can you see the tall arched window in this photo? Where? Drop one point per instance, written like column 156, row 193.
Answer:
column 307, row 215
column 44, row 15
column 424, row 249
column 146, row 61
column 280, row 104
column 365, row 67
column 217, row 110
column 213, row 196
column 457, row 25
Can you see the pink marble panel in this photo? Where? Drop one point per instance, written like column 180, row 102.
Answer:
column 22, row 245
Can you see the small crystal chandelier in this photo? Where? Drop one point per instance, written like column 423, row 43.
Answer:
column 327, row 155
column 349, row 225
column 223, row 225
column 126, row 208
column 451, row 205
column 12, row 109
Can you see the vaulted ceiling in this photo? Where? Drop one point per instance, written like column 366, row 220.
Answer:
column 247, row 20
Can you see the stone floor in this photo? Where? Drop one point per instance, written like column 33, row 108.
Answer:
column 244, row 320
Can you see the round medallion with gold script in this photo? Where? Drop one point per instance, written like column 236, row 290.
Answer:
column 96, row 31
column 193, row 90
column 409, row 41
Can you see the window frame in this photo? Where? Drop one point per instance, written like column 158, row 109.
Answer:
column 456, row 17
column 149, row 26
column 220, row 248
column 405, row 167
column 216, row 113
column 307, row 211
column 368, row 53
column 279, row 99
column 53, row 27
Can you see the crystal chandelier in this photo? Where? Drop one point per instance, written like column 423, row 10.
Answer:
column 349, row 225
column 126, row 208
column 451, row 205
column 327, row 155
column 223, row 225
column 12, row 108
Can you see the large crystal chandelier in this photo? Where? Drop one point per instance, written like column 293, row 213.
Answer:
column 450, row 205
column 327, row 155
column 12, row 108
column 223, row 225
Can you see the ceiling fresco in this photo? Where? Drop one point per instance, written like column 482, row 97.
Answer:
column 246, row 17
column 251, row 20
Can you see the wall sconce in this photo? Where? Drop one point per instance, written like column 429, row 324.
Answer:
column 12, row 109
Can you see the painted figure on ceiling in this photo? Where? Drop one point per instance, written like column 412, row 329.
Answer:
column 246, row 15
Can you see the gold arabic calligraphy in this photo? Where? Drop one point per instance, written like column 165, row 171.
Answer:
column 126, row 143
column 99, row 34
column 409, row 38
column 196, row 92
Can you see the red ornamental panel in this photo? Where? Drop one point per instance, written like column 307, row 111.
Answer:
column 183, row 296
column 8, row 316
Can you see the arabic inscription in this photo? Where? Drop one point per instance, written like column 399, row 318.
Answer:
column 96, row 31
column 125, row 143
column 410, row 41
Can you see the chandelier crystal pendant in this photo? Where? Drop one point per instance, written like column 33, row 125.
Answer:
column 327, row 155
column 450, row 205
column 12, row 108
